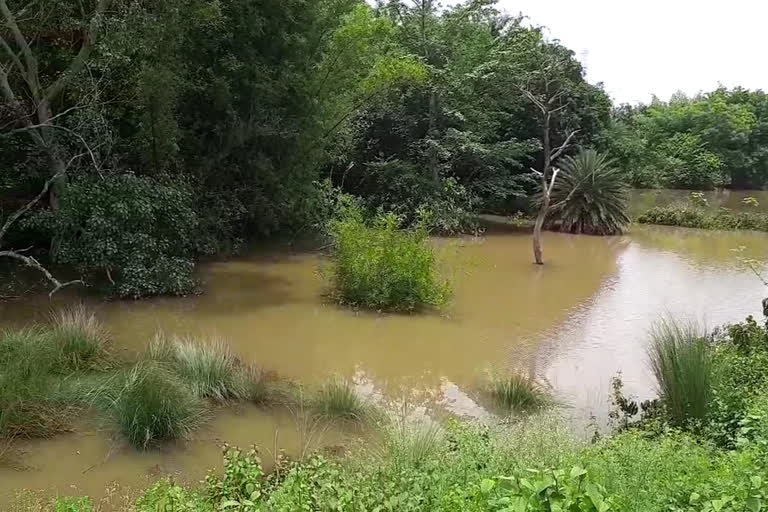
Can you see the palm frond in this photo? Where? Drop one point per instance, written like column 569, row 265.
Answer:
column 590, row 196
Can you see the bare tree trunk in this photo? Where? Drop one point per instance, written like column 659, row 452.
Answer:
column 544, row 207
column 539, row 225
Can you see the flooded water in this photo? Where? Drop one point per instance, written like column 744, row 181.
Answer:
column 574, row 323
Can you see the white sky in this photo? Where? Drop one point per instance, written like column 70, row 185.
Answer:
column 642, row 47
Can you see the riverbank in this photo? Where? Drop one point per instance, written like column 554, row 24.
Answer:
column 689, row 216
column 649, row 462
column 573, row 324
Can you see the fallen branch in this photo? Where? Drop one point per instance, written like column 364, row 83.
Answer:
column 33, row 263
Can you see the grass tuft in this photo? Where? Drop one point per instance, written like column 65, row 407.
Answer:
column 681, row 360
column 337, row 399
column 210, row 369
column 150, row 404
column 31, row 402
column 515, row 392
column 80, row 340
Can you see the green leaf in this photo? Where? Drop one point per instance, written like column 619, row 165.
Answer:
column 486, row 485
column 753, row 504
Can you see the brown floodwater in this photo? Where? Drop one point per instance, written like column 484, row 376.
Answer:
column 574, row 323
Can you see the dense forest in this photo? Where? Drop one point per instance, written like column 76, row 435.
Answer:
column 137, row 137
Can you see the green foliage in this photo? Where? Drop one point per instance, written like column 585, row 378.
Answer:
column 699, row 142
column 681, row 360
column 241, row 487
column 149, row 404
column 134, row 231
column 514, row 392
column 73, row 505
column 165, row 495
column 590, row 195
column 209, row 369
column 382, row 267
column 689, row 216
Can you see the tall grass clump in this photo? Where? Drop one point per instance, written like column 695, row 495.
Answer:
column 409, row 442
column 515, row 393
column 681, row 360
column 80, row 340
column 31, row 401
column 382, row 267
column 337, row 399
column 150, row 404
column 209, row 369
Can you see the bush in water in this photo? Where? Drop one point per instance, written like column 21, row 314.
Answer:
column 382, row 267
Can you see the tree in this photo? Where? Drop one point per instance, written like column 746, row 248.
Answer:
column 32, row 111
column 548, row 88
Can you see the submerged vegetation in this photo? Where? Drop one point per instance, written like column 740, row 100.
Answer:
column 381, row 267
column 690, row 216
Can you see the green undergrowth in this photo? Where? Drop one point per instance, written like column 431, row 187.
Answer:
column 532, row 465
column 379, row 266
column 690, row 216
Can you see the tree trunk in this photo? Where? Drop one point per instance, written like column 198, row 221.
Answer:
column 541, row 217
column 538, row 226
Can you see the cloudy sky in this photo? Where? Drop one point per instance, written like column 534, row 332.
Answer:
column 642, row 47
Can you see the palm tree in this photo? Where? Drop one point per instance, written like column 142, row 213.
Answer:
column 590, row 197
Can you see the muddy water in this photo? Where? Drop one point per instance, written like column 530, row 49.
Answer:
column 574, row 323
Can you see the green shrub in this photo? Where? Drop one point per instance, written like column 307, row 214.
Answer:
column 515, row 392
column 681, row 360
column 210, row 369
column 740, row 377
column 149, row 404
column 590, row 196
column 337, row 399
column 80, row 340
column 382, row 267
column 241, row 487
column 135, row 233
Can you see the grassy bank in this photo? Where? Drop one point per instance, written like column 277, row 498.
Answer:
column 690, row 216
column 701, row 446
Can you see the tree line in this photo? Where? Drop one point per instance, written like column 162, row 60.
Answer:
column 136, row 137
